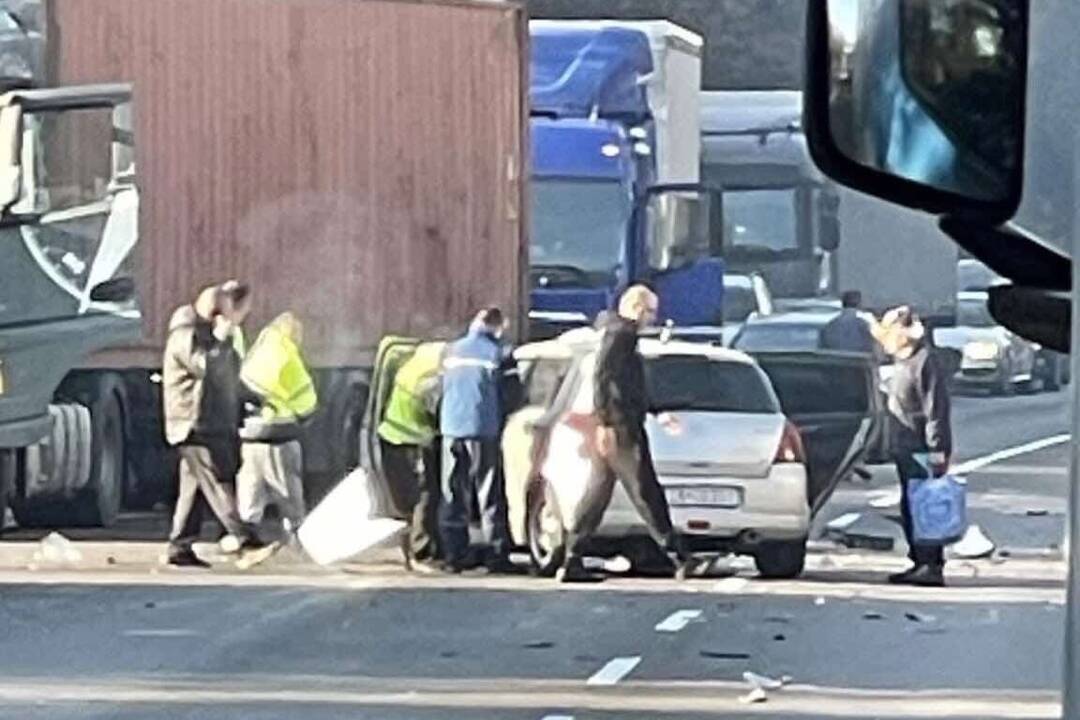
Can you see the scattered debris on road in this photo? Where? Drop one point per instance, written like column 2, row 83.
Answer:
column 719, row 655
column 885, row 499
column 757, row 695
column 873, row 615
column 539, row 645
column 975, row 544
column 762, row 681
column 920, row 617
column 55, row 549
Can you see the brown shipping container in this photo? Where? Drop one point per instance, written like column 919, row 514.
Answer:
column 359, row 161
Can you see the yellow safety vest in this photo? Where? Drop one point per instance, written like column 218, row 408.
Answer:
column 275, row 370
column 407, row 420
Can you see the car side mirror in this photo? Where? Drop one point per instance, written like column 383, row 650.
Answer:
column 920, row 102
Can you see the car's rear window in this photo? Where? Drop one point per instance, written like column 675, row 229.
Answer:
column 692, row 382
column 754, row 338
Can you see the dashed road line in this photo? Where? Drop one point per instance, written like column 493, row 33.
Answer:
column 677, row 620
column 614, row 671
column 161, row 633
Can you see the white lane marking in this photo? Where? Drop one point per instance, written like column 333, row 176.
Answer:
column 677, row 621
column 731, row 585
column 844, row 521
column 558, row 717
column 161, row 633
column 974, row 464
column 1047, row 470
column 614, row 671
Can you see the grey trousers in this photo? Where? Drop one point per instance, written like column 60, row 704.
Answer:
column 206, row 474
column 271, row 473
column 631, row 465
column 471, row 470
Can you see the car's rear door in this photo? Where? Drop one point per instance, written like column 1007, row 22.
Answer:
column 833, row 399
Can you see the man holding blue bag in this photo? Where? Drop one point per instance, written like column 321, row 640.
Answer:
column 921, row 440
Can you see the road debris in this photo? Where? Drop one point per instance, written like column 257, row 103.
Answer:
column 1037, row 512
column 762, row 681
column 539, row 645
column 55, row 549
column 844, row 521
column 718, row 655
column 975, row 544
column 873, row 615
column 819, row 600
column 920, row 617
column 779, row 638
column 755, row 696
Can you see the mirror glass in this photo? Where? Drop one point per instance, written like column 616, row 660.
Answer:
column 930, row 91
column 677, row 226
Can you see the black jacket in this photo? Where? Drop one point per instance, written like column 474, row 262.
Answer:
column 621, row 396
column 201, row 382
column 919, row 405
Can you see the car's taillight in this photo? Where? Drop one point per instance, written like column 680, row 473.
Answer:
column 791, row 446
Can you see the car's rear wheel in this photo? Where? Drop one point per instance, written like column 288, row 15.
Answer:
column 781, row 560
column 544, row 532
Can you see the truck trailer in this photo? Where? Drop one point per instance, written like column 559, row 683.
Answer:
column 358, row 162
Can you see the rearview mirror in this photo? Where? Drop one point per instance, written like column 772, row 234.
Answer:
column 921, row 102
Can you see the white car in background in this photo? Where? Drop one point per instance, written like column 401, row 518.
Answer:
column 733, row 466
column 990, row 356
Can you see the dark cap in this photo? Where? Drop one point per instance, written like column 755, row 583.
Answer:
column 491, row 316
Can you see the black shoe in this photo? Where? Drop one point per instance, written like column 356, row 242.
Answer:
column 502, row 566
column 920, row 575
column 187, row 559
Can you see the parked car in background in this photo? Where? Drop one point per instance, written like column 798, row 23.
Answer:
column 757, row 447
column 990, row 356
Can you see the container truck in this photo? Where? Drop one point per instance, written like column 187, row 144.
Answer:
column 359, row 162
column 808, row 236
column 615, row 163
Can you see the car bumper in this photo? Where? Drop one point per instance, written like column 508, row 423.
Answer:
column 979, row 373
column 771, row 508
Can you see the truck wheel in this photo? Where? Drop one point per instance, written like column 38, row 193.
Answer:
column 781, row 560
column 98, row 504
column 544, row 532
column 52, row 471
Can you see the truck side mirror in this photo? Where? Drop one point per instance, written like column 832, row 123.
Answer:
column 117, row 290
column 828, row 220
column 919, row 102
column 10, row 151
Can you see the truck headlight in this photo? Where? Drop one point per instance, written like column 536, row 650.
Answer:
column 981, row 351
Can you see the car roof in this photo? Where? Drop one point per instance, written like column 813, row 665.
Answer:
column 584, row 340
column 809, row 319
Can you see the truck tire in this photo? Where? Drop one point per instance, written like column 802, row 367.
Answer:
column 98, row 504
column 544, row 532
column 84, row 459
column 781, row 560
column 52, row 471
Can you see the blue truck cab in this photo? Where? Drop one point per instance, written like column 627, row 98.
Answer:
column 599, row 221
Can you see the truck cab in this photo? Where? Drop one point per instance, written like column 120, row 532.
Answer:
column 68, row 228
column 614, row 174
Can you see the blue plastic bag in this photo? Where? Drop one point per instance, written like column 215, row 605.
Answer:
column 938, row 509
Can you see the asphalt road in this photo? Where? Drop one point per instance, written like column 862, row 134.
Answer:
column 112, row 636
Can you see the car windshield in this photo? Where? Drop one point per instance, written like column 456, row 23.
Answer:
column 973, row 312
column 761, row 219
column 578, row 227
column 754, row 338
column 691, row 382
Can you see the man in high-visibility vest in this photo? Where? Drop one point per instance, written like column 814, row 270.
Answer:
column 408, row 436
column 272, row 458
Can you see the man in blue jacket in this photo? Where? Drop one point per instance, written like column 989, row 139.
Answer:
column 470, row 422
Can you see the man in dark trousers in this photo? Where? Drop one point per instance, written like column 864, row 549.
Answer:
column 470, row 422
column 621, row 400
column 848, row 331
column 201, row 370
column 920, row 430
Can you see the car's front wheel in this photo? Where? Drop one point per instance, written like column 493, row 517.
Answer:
column 781, row 560
column 544, row 532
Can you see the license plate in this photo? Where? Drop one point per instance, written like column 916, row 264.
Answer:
column 725, row 497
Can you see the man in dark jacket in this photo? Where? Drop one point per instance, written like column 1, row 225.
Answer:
column 201, row 378
column 848, row 331
column 920, row 430
column 470, row 422
column 622, row 402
